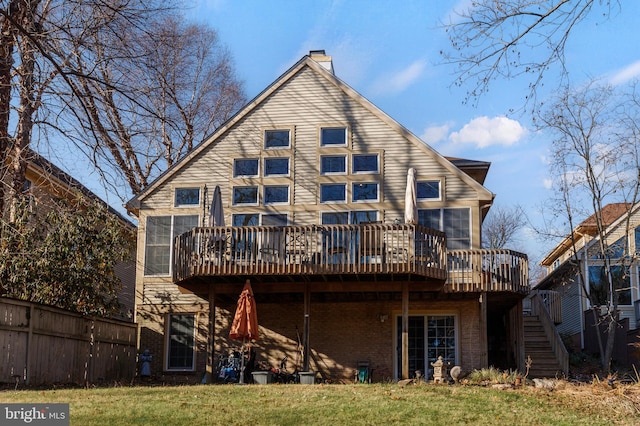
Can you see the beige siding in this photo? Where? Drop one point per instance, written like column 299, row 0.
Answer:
column 304, row 105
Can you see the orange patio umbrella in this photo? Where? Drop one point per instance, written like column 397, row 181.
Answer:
column 245, row 321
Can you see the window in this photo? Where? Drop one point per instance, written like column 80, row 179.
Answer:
column 365, row 163
column 181, row 342
column 333, row 192
column 364, row 216
column 245, row 167
column 26, row 186
column 335, row 218
column 276, row 166
column 276, row 194
column 187, row 197
column 160, row 233
column 428, row 190
column 598, row 283
column 157, row 256
column 354, row 217
column 365, row 192
column 245, row 219
column 245, row 195
column 453, row 222
column 275, row 219
column 333, row 164
column 276, row 139
column 333, row 136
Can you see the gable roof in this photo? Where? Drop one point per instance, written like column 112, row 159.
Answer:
column 65, row 183
column 133, row 205
column 610, row 214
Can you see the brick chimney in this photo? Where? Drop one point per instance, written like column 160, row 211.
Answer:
column 323, row 59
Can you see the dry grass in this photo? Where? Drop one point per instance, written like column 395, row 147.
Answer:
column 567, row 404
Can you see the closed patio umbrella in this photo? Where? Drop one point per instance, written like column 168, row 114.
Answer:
column 410, row 199
column 245, row 321
column 216, row 215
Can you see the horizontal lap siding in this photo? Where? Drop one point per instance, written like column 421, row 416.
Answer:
column 309, row 102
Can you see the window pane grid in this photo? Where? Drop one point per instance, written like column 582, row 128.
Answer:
column 276, row 139
column 333, row 136
column 181, row 342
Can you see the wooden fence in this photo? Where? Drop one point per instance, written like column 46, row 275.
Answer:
column 42, row 345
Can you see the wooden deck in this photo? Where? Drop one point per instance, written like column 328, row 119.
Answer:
column 360, row 253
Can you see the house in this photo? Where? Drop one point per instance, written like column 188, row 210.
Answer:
column 564, row 294
column 313, row 182
column 45, row 182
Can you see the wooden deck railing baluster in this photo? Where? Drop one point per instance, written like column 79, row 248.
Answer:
column 365, row 249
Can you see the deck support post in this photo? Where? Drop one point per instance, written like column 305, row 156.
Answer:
column 210, row 374
column 405, row 330
column 307, row 303
column 484, row 348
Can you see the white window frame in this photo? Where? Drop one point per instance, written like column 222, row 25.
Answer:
column 235, row 160
column 264, row 167
column 169, row 247
column 186, row 188
column 268, row 203
column 252, row 203
column 277, row 147
column 346, row 136
column 365, row 172
column 344, row 200
column 439, row 197
column 168, row 337
column 344, row 158
column 372, row 200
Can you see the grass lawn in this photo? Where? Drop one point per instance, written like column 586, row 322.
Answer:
column 375, row 404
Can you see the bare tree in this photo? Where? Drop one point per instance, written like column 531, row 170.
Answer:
column 177, row 85
column 595, row 162
column 501, row 226
column 512, row 38
column 126, row 81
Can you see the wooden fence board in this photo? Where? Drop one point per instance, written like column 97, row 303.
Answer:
column 45, row 345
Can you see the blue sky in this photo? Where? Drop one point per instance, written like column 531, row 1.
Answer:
column 389, row 51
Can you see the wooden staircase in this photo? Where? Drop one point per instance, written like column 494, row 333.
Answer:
column 537, row 346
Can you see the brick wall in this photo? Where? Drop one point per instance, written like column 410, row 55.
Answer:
column 341, row 335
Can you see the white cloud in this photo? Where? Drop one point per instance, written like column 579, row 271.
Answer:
column 400, row 80
column 547, row 183
column 484, row 132
column 626, row 74
column 435, row 134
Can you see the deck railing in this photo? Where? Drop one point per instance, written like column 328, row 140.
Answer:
column 374, row 248
column 487, row 270
column 552, row 301
column 539, row 309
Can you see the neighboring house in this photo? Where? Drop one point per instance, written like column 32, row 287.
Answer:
column 45, row 181
column 313, row 180
column 564, row 294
